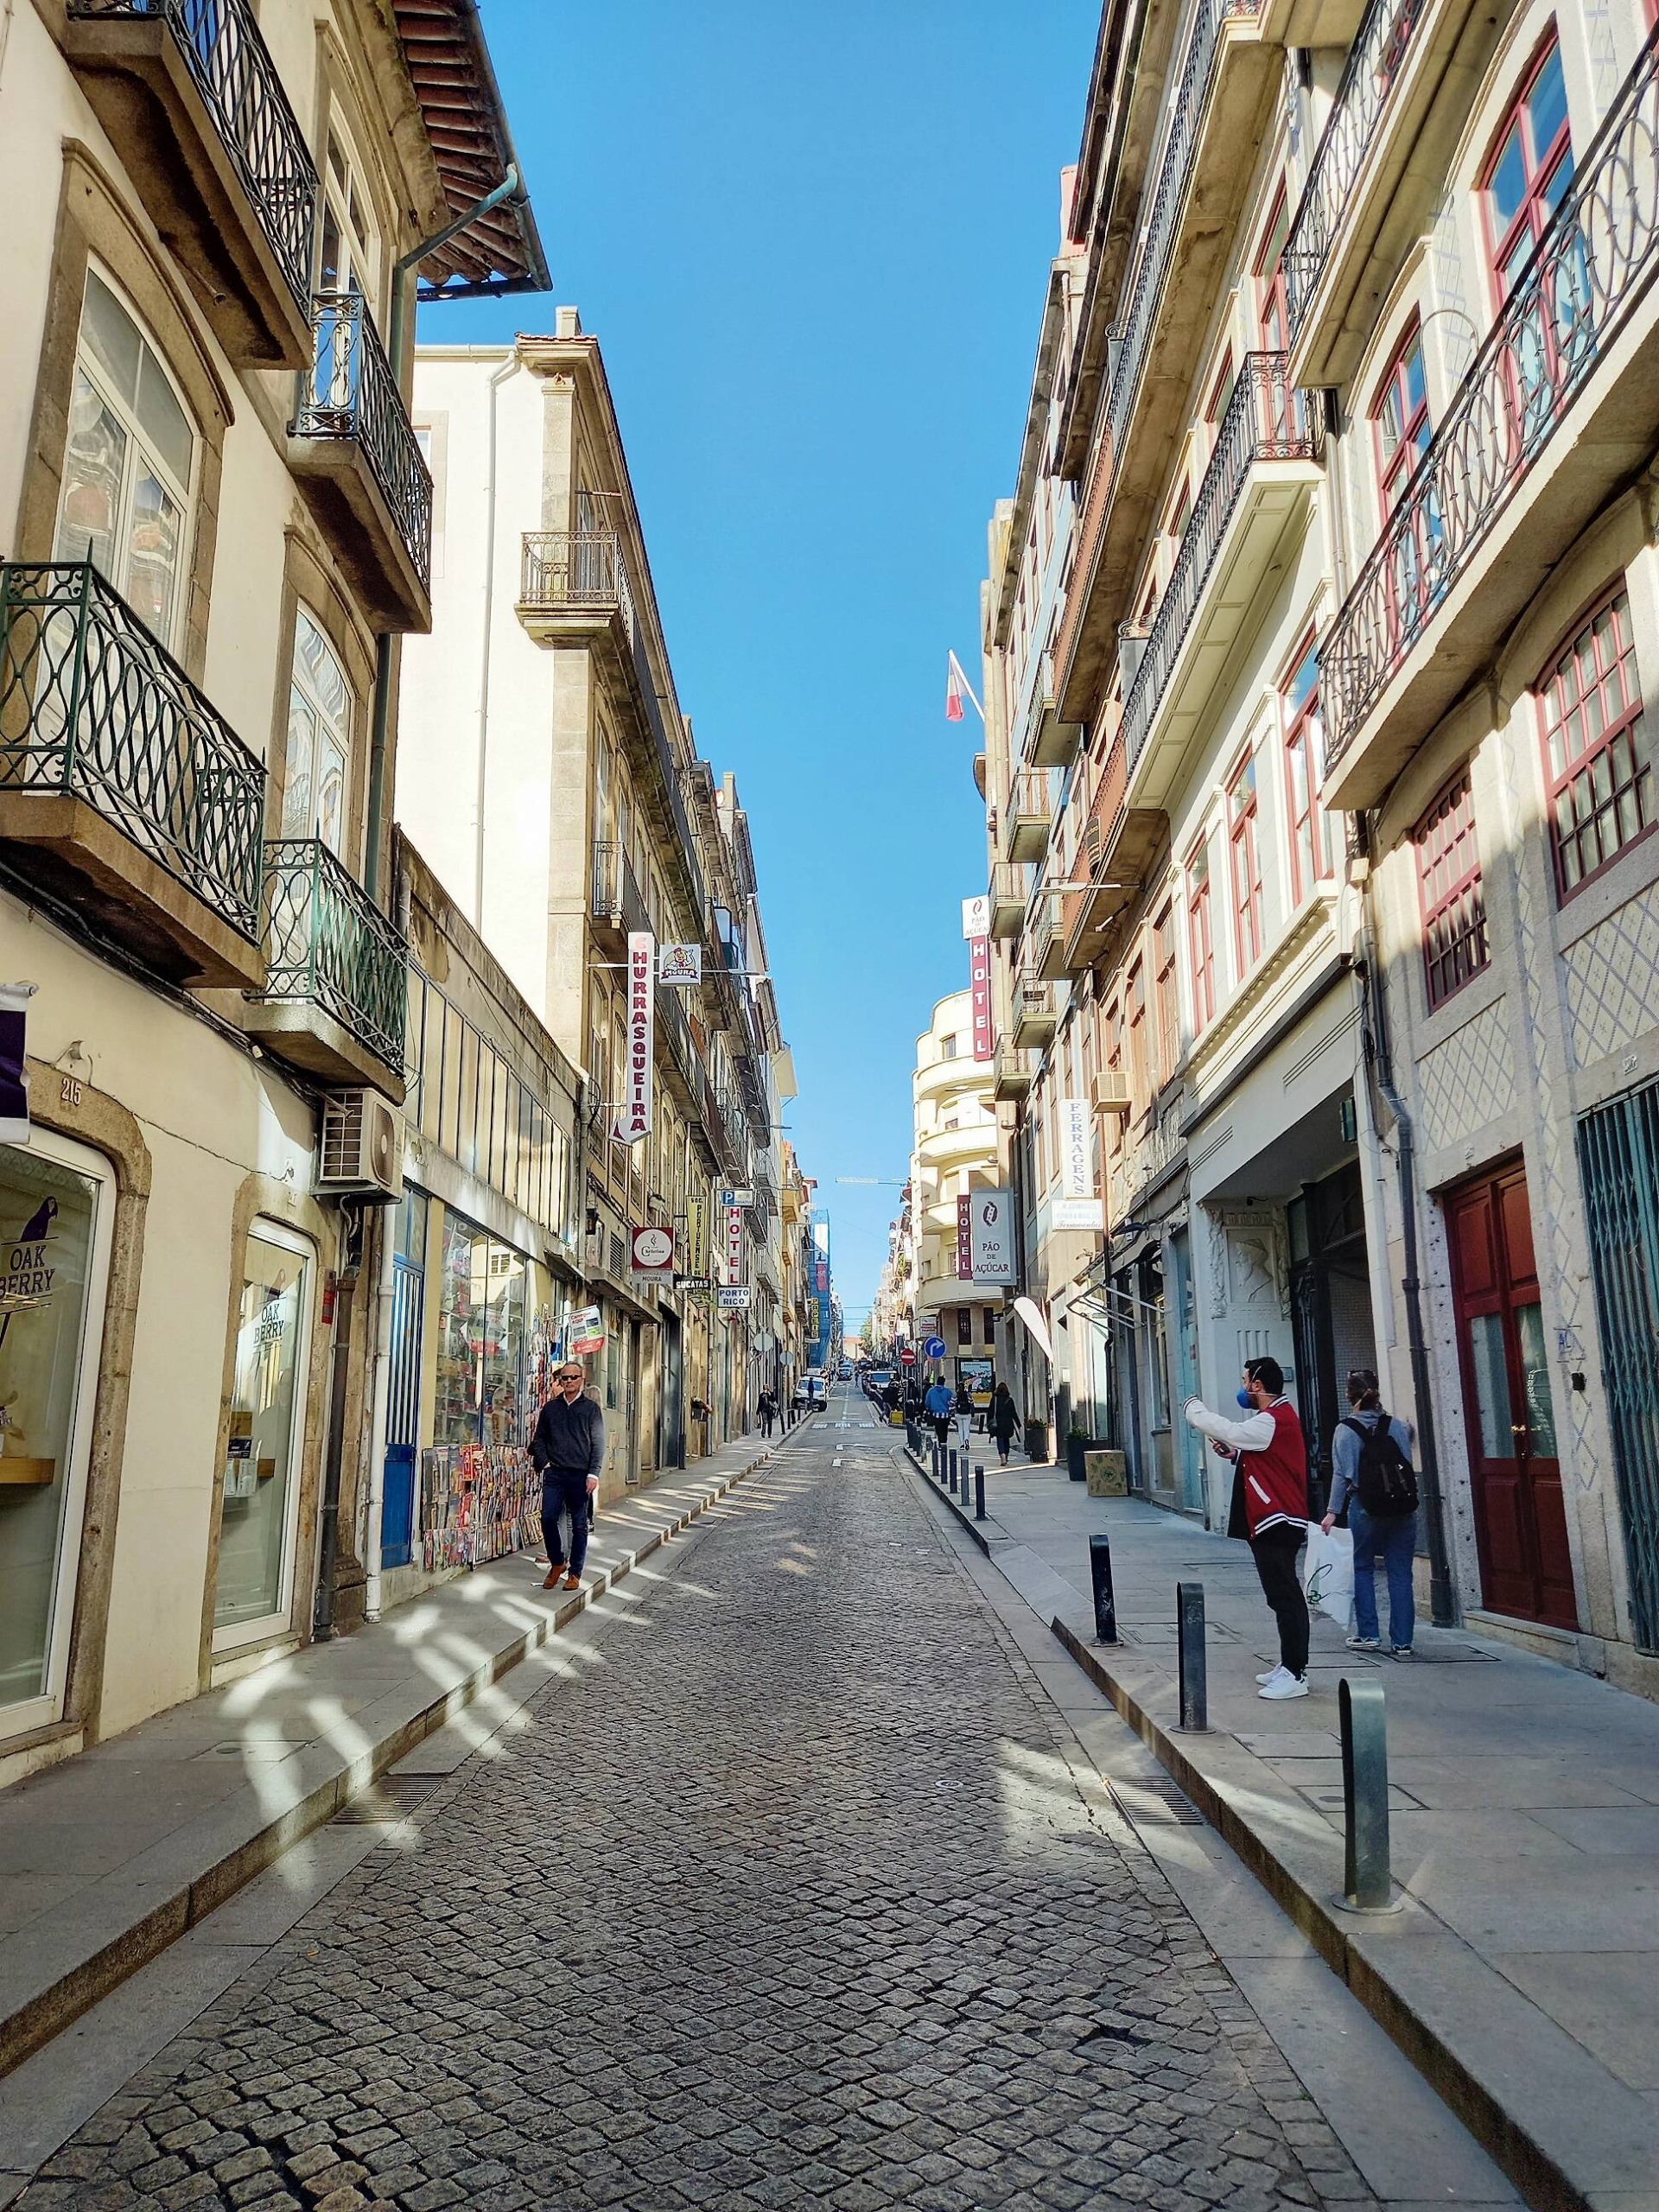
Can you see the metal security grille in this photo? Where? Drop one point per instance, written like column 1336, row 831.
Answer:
column 1618, row 1158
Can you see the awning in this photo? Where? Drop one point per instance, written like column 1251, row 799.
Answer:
column 466, row 126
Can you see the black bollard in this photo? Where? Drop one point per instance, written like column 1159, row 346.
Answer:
column 1365, row 1878
column 952, row 1456
column 938, row 1472
column 1189, row 1634
column 1100, row 1574
column 979, row 1493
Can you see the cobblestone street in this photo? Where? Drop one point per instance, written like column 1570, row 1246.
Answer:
column 793, row 1897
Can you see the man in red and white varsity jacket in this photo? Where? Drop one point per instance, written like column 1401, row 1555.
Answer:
column 1271, row 1456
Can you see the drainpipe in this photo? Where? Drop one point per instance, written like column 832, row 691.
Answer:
column 1442, row 1601
column 382, row 1385
column 508, row 368
column 402, row 277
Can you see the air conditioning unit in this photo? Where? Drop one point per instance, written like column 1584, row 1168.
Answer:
column 1111, row 1091
column 362, row 1150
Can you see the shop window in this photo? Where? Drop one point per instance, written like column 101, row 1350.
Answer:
column 1527, row 177
column 128, row 464
column 51, row 1271
column 317, row 764
column 1599, row 771
column 1454, row 899
column 1244, row 839
column 263, row 1445
column 1310, row 830
column 1201, row 942
column 482, row 1299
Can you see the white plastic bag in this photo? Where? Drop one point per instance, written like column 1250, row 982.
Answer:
column 1328, row 1572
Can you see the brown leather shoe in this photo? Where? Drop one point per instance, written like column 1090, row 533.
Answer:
column 552, row 1581
column 572, row 1582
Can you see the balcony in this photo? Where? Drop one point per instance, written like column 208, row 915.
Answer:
column 1008, row 899
column 615, row 907
column 336, row 991
column 1026, row 819
column 1250, row 507
column 1556, row 413
column 1032, row 1017
column 191, row 100
column 1011, row 1072
column 1054, row 741
column 1045, row 952
column 677, row 1054
column 725, row 1133
column 122, row 789
column 574, row 590
column 352, row 447
column 1229, row 79
column 1401, row 105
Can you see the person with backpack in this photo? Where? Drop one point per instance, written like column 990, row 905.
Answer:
column 962, row 1407
column 1374, row 1477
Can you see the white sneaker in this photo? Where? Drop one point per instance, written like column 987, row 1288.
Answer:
column 1364, row 1642
column 1284, row 1685
column 1272, row 1675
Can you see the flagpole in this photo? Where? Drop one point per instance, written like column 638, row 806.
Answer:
column 962, row 678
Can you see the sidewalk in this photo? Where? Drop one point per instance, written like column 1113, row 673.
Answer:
column 105, row 1860
column 1522, row 1975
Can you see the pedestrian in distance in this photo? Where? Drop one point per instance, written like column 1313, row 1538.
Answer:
column 1374, row 1478
column 963, row 1408
column 767, row 1409
column 567, row 1451
column 1269, row 1506
column 1003, row 1421
column 939, row 1405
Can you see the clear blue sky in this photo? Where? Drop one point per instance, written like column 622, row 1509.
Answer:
column 813, row 242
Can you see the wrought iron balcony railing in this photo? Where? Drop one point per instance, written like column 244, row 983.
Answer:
column 92, row 708
column 350, row 392
column 231, row 66
column 1586, row 274
column 328, row 945
column 1373, row 64
column 1265, row 420
column 616, row 893
column 1158, row 233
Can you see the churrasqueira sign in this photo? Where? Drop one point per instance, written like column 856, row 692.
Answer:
column 634, row 1117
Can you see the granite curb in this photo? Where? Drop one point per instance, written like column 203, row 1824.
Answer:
column 214, row 1855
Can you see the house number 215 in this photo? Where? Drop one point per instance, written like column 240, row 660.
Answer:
column 69, row 1090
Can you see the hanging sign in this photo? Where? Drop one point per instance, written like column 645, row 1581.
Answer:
column 1076, row 1213
column 587, row 1330
column 680, row 963
column 1076, row 1171
column 653, row 1253
column 991, row 1243
column 734, row 1243
column 14, row 1056
column 634, row 1117
column 977, row 916
column 979, row 986
column 697, row 1233
column 734, row 1296
column 965, row 1238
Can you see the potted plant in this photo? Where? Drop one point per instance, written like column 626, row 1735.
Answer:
column 1077, row 1443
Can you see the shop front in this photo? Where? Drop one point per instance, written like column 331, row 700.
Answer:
column 253, row 1591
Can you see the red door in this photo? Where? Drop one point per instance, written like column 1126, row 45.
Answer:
column 1508, row 1417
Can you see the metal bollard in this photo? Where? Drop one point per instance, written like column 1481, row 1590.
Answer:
column 1366, row 1884
column 952, row 1456
column 979, row 1493
column 938, row 1472
column 1194, row 1669
column 1100, row 1574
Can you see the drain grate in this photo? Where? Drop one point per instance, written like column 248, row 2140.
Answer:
column 389, row 1798
column 1157, row 1797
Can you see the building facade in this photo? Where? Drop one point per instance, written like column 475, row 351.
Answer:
column 1348, row 874
column 548, row 773
column 217, row 528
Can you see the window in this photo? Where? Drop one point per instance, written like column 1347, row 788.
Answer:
column 990, row 1324
column 1201, row 942
column 319, row 740
column 1310, row 832
column 1166, row 994
column 1596, row 748
column 344, row 240
column 127, row 464
column 1527, row 176
column 964, row 1324
column 947, row 1048
column 1454, row 900
column 1401, row 416
column 1115, row 1122
column 1243, row 832
column 1135, row 1002
column 1273, row 316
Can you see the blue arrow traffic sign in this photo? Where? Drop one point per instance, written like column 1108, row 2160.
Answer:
column 934, row 1348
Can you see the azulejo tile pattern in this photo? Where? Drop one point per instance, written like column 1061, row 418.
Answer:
column 794, row 1899
column 1611, row 984
column 1470, row 1079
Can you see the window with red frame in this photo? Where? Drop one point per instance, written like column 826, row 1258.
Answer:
column 1596, row 748
column 1166, row 994
column 1244, row 836
column 1401, row 416
column 1116, row 1123
column 1272, row 315
column 1135, row 999
column 1454, row 900
column 1528, row 174
column 1201, row 938
column 1310, row 832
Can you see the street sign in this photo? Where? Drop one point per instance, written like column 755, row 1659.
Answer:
column 907, row 1357
column 934, row 1348
column 587, row 1330
column 653, row 1252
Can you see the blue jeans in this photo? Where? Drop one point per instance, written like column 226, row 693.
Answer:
column 1396, row 1541
column 565, row 1491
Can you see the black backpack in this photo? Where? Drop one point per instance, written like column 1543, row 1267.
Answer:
column 1387, row 1481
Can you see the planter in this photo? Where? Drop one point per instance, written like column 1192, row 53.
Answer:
column 1037, row 1441
column 1078, row 1447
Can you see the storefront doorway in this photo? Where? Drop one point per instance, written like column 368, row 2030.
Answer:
column 1330, row 1308
column 253, row 1592
column 1509, row 1415
column 56, row 1203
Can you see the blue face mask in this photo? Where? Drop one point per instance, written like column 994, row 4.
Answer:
column 1245, row 1400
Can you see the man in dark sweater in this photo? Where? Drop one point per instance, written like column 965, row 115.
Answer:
column 567, row 1451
